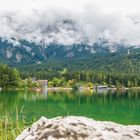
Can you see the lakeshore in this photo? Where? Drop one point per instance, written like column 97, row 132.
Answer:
column 20, row 108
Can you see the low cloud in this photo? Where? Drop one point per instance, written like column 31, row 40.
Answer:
column 70, row 27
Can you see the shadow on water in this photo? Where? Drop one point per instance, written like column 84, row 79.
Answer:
column 119, row 106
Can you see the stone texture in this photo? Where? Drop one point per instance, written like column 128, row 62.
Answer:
column 78, row 128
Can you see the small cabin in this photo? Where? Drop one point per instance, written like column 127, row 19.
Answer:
column 102, row 87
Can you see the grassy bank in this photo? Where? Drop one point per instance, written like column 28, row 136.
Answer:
column 11, row 126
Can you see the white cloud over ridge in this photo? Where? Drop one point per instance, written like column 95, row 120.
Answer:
column 67, row 26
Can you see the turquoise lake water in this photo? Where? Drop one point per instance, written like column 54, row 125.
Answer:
column 118, row 106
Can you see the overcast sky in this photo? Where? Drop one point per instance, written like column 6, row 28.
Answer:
column 124, row 6
column 113, row 19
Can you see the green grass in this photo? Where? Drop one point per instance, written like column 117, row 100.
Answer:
column 11, row 126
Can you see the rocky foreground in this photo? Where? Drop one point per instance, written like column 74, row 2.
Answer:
column 78, row 128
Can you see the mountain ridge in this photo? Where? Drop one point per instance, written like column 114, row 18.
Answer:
column 103, row 56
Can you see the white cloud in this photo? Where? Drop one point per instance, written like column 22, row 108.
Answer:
column 70, row 21
column 127, row 6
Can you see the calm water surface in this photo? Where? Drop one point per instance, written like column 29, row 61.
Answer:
column 117, row 106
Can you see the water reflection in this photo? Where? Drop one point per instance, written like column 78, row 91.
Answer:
column 117, row 105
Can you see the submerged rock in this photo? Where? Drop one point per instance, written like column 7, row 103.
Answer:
column 78, row 128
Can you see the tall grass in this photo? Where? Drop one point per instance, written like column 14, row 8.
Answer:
column 11, row 127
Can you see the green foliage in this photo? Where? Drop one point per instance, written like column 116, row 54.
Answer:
column 9, row 78
column 12, row 125
column 118, row 68
column 76, row 86
column 90, row 85
column 90, row 78
column 56, row 82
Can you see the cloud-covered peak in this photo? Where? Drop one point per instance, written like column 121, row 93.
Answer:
column 69, row 27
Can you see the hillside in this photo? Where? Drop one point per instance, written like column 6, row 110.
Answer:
column 101, row 56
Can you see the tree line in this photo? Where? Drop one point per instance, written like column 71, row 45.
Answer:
column 11, row 77
column 60, row 78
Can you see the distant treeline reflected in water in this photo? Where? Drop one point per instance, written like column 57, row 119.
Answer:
column 119, row 106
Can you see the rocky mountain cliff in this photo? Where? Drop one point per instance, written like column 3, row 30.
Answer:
column 102, row 55
column 14, row 51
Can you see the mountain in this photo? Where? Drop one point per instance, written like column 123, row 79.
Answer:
column 102, row 55
column 24, row 52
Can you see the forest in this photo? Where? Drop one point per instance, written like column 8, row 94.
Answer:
column 13, row 78
column 9, row 77
column 61, row 78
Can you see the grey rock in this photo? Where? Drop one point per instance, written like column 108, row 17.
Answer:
column 79, row 128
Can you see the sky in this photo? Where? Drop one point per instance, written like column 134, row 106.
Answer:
column 115, row 20
column 124, row 6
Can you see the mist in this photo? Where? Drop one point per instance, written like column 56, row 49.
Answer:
column 67, row 27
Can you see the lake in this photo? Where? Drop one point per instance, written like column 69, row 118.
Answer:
column 118, row 106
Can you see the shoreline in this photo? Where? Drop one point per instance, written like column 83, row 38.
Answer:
column 68, row 88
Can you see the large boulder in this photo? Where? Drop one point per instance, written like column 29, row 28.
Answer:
column 78, row 128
